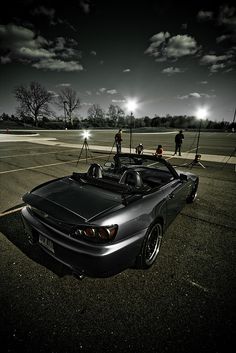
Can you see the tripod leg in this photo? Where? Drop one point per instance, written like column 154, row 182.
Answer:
column 201, row 165
column 89, row 151
column 80, row 154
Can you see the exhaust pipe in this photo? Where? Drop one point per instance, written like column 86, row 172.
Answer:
column 78, row 275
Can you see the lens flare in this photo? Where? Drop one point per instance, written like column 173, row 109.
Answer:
column 132, row 105
column 202, row 113
column 86, row 134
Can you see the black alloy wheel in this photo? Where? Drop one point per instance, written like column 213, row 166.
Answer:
column 151, row 246
column 192, row 197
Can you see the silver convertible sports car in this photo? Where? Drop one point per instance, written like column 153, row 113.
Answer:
column 110, row 218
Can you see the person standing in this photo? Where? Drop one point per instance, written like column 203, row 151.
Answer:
column 118, row 140
column 139, row 149
column 178, row 142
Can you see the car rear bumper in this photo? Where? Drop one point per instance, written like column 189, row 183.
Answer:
column 96, row 260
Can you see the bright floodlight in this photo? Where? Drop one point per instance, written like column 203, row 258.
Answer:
column 86, row 134
column 201, row 113
column 131, row 105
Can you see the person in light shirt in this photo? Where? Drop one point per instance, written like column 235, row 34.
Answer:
column 139, row 149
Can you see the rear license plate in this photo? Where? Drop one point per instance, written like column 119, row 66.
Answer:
column 48, row 244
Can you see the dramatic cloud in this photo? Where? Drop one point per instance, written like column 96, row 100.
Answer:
column 58, row 65
column 227, row 19
column 65, row 48
column 31, row 54
column 111, row 91
column 215, row 62
column 64, row 85
column 105, row 90
column 227, row 16
column 212, row 59
column 54, row 94
column 49, row 13
column 216, row 67
column 222, row 38
column 16, row 37
column 157, row 41
column 172, row 70
column 196, row 95
column 118, row 100
column 85, row 5
column 23, row 45
column 5, row 60
column 164, row 47
column 181, row 45
column 205, row 15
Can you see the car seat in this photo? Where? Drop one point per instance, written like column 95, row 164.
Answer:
column 95, row 171
column 132, row 178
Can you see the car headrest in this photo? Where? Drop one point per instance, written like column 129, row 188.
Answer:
column 94, row 171
column 132, row 178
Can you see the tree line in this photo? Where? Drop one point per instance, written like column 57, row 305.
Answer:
column 35, row 109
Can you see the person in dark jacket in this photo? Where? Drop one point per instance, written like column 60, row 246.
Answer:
column 118, row 141
column 178, row 142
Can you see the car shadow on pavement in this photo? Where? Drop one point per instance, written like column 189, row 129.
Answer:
column 12, row 228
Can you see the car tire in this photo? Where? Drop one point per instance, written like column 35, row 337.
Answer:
column 192, row 197
column 151, row 246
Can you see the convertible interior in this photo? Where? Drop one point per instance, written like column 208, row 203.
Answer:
column 126, row 178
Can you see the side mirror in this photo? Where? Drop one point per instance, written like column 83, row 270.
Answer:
column 183, row 177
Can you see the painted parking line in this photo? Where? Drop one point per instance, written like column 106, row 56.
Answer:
column 174, row 155
column 193, row 149
column 22, row 138
column 24, row 148
column 11, row 211
column 204, row 289
column 37, row 154
column 48, row 165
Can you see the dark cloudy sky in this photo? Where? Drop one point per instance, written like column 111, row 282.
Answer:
column 171, row 56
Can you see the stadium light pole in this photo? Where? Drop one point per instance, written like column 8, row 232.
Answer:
column 131, row 106
column 201, row 114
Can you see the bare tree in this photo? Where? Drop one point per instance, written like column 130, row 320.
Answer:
column 115, row 113
column 33, row 100
column 96, row 115
column 69, row 102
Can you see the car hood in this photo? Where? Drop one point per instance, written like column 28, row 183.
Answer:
column 68, row 200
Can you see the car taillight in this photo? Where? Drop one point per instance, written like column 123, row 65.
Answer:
column 95, row 233
column 107, row 233
column 89, row 232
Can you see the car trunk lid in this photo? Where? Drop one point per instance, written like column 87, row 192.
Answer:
column 70, row 201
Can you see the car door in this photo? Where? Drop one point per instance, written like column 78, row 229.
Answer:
column 176, row 199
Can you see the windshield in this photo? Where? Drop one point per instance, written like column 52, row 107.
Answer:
column 142, row 162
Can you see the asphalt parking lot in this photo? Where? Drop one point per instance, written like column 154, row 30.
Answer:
column 184, row 303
